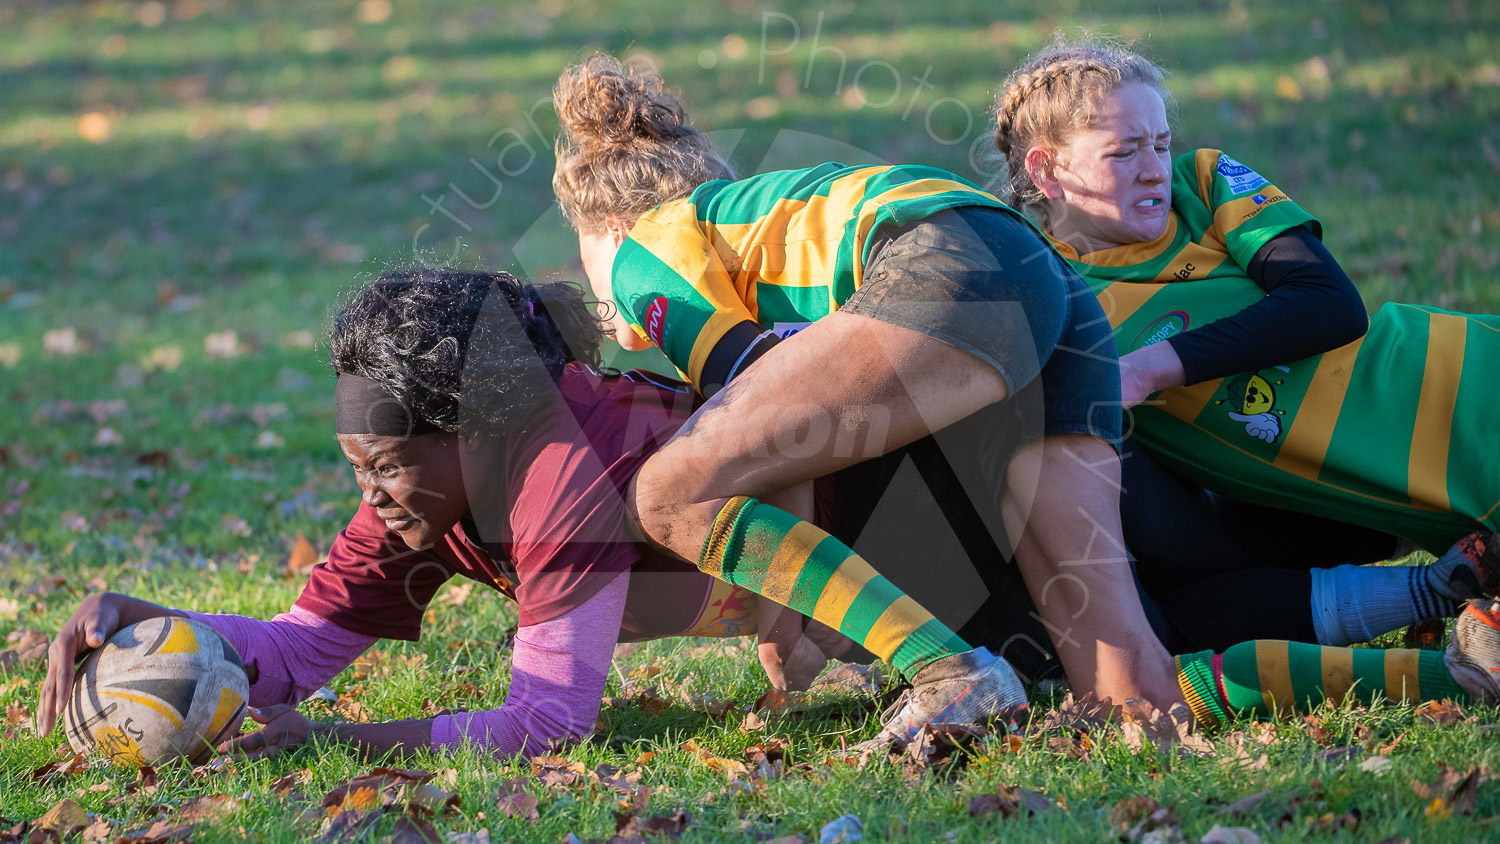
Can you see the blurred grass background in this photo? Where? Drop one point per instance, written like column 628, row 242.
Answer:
column 187, row 187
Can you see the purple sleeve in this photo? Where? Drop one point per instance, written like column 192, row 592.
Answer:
column 556, row 683
column 294, row 653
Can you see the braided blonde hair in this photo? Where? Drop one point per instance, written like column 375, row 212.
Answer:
column 1054, row 94
column 626, row 144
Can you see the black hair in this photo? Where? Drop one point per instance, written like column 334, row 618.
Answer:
column 468, row 351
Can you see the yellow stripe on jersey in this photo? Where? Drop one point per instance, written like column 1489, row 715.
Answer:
column 910, row 190
column 714, row 329
column 1427, row 472
column 1230, row 215
column 1127, row 255
column 1311, row 431
column 1187, row 402
column 1121, row 301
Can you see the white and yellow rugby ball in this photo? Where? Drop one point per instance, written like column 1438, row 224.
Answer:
column 157, row 690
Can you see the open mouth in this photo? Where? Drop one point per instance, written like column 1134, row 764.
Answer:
column 400, row 523
column 1148, row 203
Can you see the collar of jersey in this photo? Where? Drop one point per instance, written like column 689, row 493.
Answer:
column 1128, row 255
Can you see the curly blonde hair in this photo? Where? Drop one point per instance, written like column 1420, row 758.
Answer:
column 1054, row 94
column 626, row 144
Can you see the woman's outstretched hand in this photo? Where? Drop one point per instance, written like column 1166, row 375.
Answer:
column 282, row 728
column 90, row 626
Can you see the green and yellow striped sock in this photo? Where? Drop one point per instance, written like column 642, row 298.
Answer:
column 1267, row 676
column 794, row 563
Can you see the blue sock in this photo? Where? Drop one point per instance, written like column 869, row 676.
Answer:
column 1357, row 603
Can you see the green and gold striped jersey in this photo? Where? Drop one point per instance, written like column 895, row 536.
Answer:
column 780, row 250
column 1398, row 431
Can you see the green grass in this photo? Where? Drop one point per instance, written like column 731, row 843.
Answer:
column 262, row 157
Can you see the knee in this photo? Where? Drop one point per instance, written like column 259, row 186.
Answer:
column 669, row 520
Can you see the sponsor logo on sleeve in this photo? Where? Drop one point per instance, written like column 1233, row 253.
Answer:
column 1164, row 326
column 656, row 320
column 1241, row 179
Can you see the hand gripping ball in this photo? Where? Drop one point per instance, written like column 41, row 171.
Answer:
column 164, row 688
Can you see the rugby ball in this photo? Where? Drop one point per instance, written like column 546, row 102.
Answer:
column 157, row 690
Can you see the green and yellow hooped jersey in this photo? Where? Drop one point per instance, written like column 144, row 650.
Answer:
column 780, row 250
column 1398, row 431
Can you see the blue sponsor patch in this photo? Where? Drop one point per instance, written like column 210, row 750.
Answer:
column 1241, row 179
column 1259, row 199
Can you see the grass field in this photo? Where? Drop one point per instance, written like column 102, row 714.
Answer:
column 187, row 187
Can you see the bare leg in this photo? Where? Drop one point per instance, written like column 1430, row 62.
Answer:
column 848, row 388
column 1062, row 502
column 842, row 390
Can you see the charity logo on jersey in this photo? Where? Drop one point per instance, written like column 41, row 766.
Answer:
column 1251, row 397
column 1164, row 326
column 656, row 320
column 1242, row 180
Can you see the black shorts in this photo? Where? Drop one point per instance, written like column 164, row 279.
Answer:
column 983, row 281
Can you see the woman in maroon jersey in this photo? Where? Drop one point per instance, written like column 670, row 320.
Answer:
column 504, row 461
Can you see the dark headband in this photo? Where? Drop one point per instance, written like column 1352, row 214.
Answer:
column 363, row 406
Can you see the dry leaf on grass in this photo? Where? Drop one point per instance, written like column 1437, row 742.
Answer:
column 850, row 677
column 633, row 828
column 1441, row 712
column 1010, row 802
column 512, row 801
column 414, row 830
column 1172, row 731
column 25, row 647
column 1451, row 792
column 731, row 768
column 72, row 766
column 303, row 557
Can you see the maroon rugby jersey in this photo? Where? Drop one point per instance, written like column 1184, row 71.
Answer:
column 548, row 522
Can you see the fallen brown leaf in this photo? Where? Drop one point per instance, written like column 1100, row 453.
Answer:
column 1427, row 635
column 303, row 557
column 1441, row 712
column 730, row 768
column 207, row 807
column 1127, row 812
column 414, row 830
column 26, row 647
column 557, row 772
column 160, row 832
column 634, row 828
column 513, row 801
column 63, row 769
column 850, row 677
column 1330, row 822
column 64, row 819
column 1171, row 732
column 296, row 778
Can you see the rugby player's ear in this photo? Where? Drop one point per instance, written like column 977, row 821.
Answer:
column 617, row 227
column 1040, row 166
